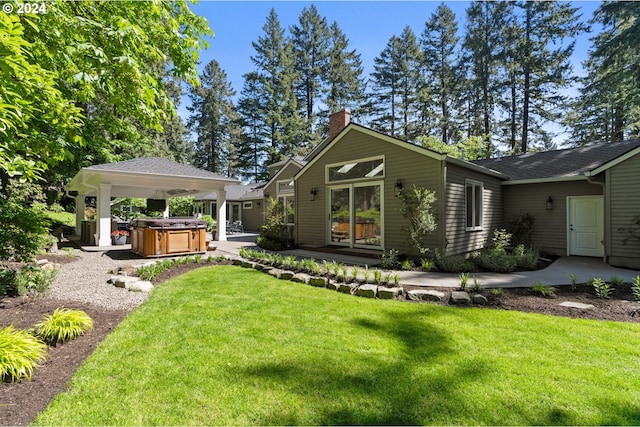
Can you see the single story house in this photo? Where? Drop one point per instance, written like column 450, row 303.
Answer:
column 244, row 203
column 583, row 199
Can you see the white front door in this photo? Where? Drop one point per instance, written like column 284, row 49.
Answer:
column 585, row 232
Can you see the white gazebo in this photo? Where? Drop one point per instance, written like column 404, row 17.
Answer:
column 145, row 177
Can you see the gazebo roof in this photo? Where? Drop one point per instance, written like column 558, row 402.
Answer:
column 147, row 177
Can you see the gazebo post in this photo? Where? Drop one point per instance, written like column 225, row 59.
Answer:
column 80, row 206
column 103, row 226
column 165, row 213
column 221, row 235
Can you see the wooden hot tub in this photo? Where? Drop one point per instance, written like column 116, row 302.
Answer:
column 152, row 237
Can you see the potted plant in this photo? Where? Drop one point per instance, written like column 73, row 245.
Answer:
column 120, row 237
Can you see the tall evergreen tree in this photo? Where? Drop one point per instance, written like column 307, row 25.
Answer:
column 346, row 85
column 608, row 108
column 311, row 43
column 386, row 79
column 212, row 119
column 276, row 77
column 482, row 46
column 439, row 43
column 253, row 151
column 545, row 70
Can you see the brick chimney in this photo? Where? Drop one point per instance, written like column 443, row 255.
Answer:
column 338, row 121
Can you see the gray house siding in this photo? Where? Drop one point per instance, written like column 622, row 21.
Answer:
column 458, row 239
column 401, row 163
column 550, row 226
column 623, row 203
column 252, row 217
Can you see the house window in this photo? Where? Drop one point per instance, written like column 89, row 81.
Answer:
column 356, row 170
column 247, row 205
column 473, row 204
column 286, row 187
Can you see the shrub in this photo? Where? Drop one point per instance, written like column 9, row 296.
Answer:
column 476, row 285
column 274, row 234
column 33, row 280
column 407, row 264
column 464, row 279
column 416, row 207
column 521, row 229
column 20, row 353
column 497, row 292
column 7, row 279
column 63, row 325
column 389, row 260
column 544, row 290
column 496, row 260
column 526, row 259
column 427, row 264
column 450, row 263
column 602, row 289
column 574, row 281
column 617, row 281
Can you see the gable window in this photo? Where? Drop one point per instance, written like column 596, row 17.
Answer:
column 473, row 204
column 356, row 170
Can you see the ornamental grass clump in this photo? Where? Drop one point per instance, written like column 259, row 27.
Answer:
column 63, row 325
column 20, row 354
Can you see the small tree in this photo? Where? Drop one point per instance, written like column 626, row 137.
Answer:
column 274, row 234
column 23, row 224
column 417, row 207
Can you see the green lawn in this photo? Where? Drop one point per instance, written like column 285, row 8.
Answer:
column 232, row 346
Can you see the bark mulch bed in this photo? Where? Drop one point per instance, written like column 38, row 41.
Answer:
column 22, row 401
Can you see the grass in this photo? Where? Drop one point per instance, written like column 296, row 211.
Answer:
column 230, row 346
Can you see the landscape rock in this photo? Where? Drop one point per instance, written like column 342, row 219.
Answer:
column 318, row 282
column 389, row 293
column 42, row 261
column 480, row 299
column 287, row 275
column 578, row 305
column 247, row 264
column 275, row 272
column 334, row 286
column 123, row 281
column 460, row 297
column 425, row 295
column 367, row 291
column 345, row 288
column 139, row 286
column 301, row 278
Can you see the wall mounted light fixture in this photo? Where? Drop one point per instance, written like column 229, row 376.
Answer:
column 399, row 186
column 549, row 203
column 266, row 196
column 314, row 193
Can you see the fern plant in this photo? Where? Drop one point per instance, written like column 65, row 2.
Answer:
column 63, row 325
column 20, row 354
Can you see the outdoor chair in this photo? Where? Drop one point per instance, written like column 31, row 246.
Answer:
column 235, row 227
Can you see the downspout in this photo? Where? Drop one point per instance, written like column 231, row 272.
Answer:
column 605, row 206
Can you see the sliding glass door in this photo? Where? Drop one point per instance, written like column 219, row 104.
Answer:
column 355, row 214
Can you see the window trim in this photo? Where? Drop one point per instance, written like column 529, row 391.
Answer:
column 247, row 205
column 362, row 178
column 477, row 207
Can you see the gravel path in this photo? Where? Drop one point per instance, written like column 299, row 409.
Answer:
column 85, row 280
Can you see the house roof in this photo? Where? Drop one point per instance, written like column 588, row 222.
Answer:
column 561, row 164
column 236, row 192
column 327, row 143
column 147, row 177
column 156, row 166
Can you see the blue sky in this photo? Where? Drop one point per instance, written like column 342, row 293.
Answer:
column 367, row 24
